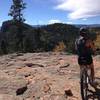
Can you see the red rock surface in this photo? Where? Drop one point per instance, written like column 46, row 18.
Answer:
column 42, row 76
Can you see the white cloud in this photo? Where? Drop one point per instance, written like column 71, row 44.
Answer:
column 84, row 19
column 80, row 8
column 69, row 22
column 52, row 21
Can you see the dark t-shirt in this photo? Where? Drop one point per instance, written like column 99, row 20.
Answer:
column 81, row 48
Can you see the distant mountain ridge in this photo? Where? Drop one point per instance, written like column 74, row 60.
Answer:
column 84, row 25
column 76, row 25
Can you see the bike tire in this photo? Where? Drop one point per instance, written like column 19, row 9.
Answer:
column 84, row 85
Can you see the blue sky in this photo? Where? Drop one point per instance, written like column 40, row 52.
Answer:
column 52, row 11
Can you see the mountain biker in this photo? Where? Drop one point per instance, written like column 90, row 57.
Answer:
column 85, row 48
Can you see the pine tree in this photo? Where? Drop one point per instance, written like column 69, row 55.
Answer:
column 16, row 12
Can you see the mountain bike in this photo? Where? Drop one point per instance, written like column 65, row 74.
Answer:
column 85, row 81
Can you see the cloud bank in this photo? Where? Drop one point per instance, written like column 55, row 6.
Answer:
column 52, row 21
column 80, row 8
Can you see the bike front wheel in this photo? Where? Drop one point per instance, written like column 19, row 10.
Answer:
column 84, row 85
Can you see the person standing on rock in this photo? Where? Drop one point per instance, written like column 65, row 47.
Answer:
column 85, row 48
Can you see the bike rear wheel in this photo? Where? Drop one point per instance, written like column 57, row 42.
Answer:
column 84, row 85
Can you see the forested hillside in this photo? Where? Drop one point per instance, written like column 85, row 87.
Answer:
column 97, row 31
column 44, row 38
column 53, row 37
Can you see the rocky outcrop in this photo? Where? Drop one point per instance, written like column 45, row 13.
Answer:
column 41, row 76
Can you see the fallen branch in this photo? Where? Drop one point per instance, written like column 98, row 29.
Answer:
column 64, row 66
column 31, row 64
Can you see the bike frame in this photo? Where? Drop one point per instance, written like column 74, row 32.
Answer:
column 85, row 78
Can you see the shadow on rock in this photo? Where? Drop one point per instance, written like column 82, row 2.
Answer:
column 95, row 94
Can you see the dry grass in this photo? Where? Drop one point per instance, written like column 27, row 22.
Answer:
column 60, row 47
column 97, row 42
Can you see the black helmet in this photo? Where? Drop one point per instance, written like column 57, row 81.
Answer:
column 83, row 31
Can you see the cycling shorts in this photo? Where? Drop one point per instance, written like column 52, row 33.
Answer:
column 85, row 60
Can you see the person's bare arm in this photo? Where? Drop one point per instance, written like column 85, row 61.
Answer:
column 90, row 44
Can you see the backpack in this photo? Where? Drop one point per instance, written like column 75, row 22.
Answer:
column 80, row 46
